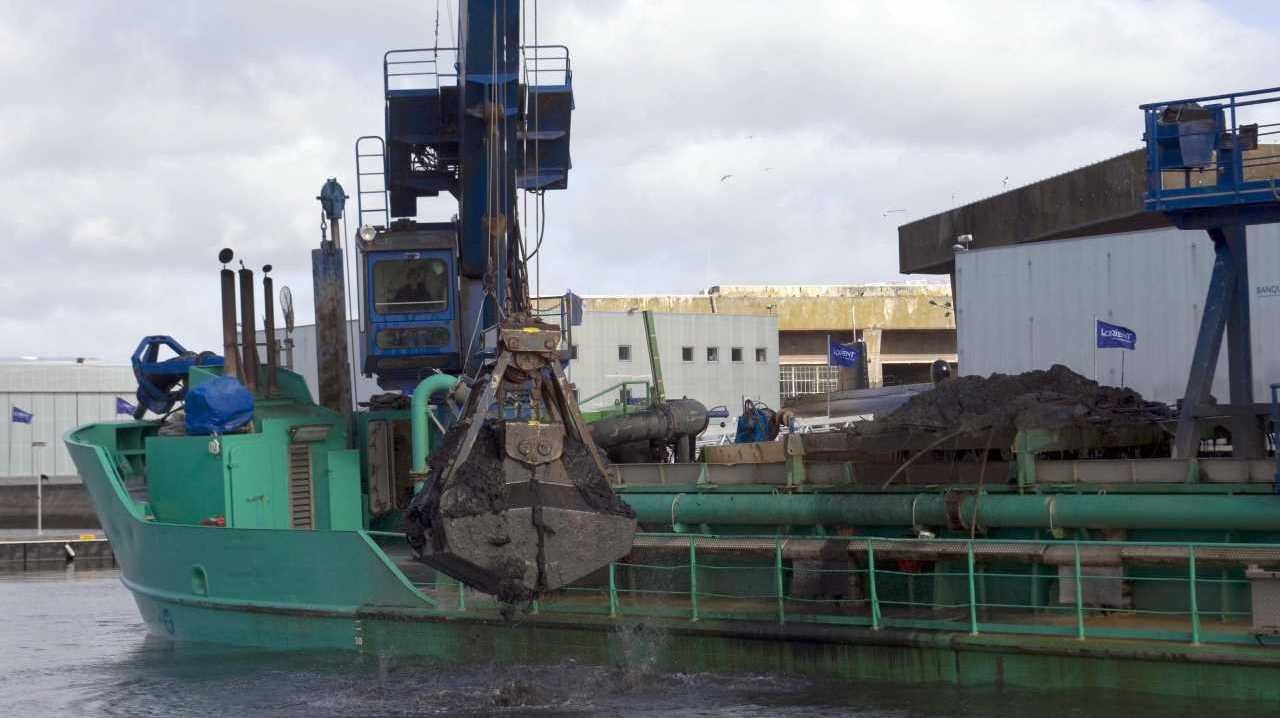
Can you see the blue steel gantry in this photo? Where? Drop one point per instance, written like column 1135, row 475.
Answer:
column 1205, row 170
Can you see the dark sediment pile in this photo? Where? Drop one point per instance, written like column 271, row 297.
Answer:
column 1038, row 399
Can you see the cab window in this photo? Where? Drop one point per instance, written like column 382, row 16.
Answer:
column 411, row 286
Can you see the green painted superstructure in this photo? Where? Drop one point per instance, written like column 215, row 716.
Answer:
column 243, row 478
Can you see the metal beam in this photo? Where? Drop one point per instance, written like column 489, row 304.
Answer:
column 1204, row 361
column 1246, row 439
column 655, row 362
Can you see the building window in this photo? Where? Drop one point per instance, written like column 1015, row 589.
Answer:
column 802, row 379
column 713, row 354
column 735, row 354
column 624, row 352
column 686, row 353
column 573, row 352
column 762, row 354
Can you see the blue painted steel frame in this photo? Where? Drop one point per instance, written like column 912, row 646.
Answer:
column 1275, row 432
column 1224, row 208
column 1250, row 201
column 1213, row 324
column 490, row 96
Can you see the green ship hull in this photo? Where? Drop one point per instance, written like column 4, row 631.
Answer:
column 283, row 589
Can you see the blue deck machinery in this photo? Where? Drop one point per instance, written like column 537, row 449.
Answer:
column 1206, row 170
column 517, row 501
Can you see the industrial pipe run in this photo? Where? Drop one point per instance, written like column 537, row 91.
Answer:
column 418, row 408
column 1067, row 511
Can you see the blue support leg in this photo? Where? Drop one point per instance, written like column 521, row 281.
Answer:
column 1246, row 435
column 1213, row 323
column 1275, row 432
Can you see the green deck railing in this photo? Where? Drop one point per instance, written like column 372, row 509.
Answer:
column 971, row 589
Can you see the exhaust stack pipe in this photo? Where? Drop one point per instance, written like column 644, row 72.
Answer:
column 248, row 330
column 269, row 328
column 230, row 349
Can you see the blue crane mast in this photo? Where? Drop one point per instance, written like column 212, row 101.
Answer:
column 477, row 122
column 518, row 500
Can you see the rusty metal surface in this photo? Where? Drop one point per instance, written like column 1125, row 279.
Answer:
column 269, row 330
column 230, row 344
column 248, row 329
column 332, row 362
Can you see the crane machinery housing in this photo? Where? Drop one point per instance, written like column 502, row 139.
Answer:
column 519, row 501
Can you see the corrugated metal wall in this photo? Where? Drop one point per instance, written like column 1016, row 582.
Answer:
column 60, row 397
column 713, row 383
column 1032, row 305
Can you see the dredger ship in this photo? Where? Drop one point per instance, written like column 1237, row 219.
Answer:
column 1079, row 538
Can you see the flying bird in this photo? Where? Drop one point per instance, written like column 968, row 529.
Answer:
column 725, row 177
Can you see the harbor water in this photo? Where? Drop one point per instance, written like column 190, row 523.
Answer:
column 72, row 644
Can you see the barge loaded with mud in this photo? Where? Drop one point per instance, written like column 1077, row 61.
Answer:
column 1036, row 530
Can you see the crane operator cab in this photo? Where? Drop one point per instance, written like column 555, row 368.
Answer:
column 409, row 282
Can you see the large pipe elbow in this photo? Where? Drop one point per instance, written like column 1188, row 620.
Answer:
column 418, row 420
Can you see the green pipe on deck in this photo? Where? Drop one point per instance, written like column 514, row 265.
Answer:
column 794, row 509
column 418, row 416
column 1134, row 511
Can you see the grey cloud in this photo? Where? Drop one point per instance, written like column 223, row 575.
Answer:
column 138, row 138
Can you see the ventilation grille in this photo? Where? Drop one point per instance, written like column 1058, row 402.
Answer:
column 301, row 501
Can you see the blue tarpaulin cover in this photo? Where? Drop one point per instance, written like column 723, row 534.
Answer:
column 218, row 406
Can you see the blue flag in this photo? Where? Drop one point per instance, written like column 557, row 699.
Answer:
column 21, row 417
column 124, row 407
column 842, row 354
column 1114, row 335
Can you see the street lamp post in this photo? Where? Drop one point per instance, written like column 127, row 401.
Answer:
column 35, row 469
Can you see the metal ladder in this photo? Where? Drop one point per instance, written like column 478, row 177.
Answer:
column 371, row 162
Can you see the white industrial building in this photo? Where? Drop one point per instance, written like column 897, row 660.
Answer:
column 718, row 359
column 59, row 395
column 1032, row 305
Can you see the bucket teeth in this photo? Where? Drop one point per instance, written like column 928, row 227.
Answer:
column 518, row 507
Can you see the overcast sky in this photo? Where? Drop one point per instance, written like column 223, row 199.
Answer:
column 136, row 139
